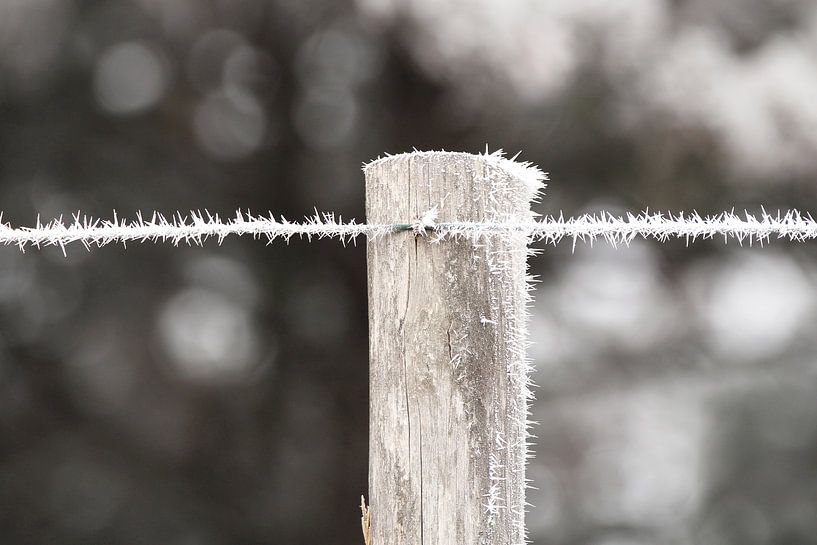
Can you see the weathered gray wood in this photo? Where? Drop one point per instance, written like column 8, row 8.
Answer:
column 448, row 373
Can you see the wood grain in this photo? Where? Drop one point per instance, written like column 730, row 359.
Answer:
column 448, row 373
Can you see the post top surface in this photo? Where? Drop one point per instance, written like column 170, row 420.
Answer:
column 529, row 174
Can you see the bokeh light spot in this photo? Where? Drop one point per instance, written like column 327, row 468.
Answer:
column 754, row 305
column 208, row 336
column 230, row 126
column 326, row 120
column 129, row 78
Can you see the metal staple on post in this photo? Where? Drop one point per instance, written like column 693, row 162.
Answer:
column 449, row 385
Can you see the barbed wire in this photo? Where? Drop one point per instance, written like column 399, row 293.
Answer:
column 197, row 227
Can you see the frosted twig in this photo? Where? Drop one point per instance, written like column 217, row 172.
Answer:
column 197, row 227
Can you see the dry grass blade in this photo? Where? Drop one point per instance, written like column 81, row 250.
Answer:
column 364, row 521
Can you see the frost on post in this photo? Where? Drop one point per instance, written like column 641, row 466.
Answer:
column 449, row 377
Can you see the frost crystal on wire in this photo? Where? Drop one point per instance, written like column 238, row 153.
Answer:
column 197, row 227
column 193, row 229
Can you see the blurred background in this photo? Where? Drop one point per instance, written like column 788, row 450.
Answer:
column 218, row 395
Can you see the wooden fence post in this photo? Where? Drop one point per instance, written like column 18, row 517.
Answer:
column 448, row 371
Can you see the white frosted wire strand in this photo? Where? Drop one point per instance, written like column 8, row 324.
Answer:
column 197, row 227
